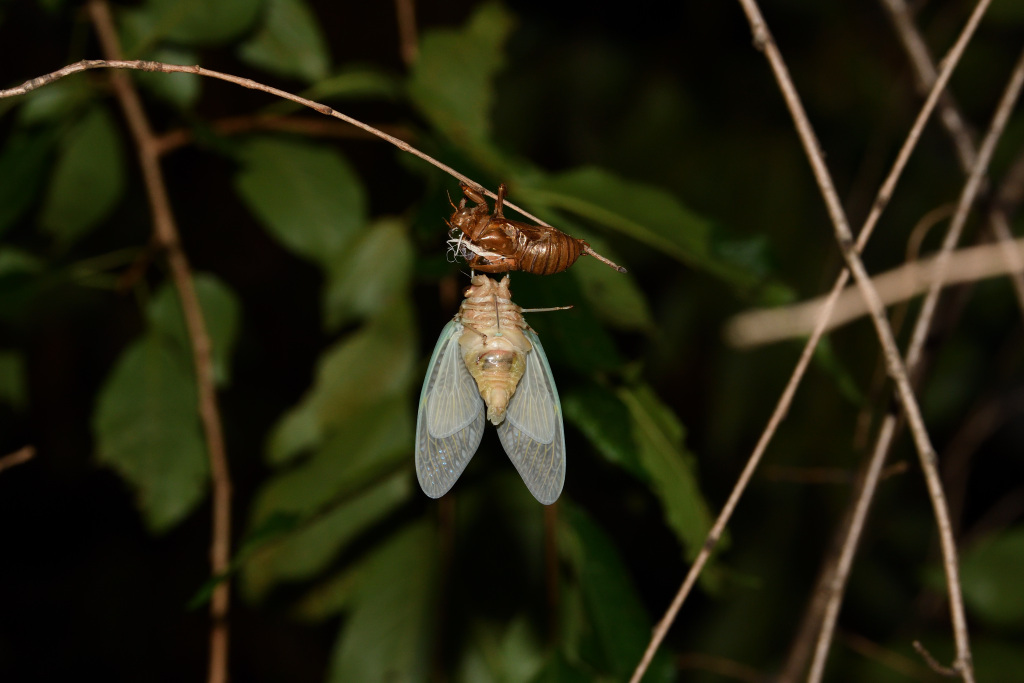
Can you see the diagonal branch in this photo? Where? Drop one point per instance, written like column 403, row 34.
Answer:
column 894, row 362
column 166, row 235
column 146, row 65
column 785, row 400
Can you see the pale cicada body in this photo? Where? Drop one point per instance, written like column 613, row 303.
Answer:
column 487, row 356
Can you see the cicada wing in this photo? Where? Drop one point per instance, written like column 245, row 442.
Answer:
column 450, row 419
column 532, row 432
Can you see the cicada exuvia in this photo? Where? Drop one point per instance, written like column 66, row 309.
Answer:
column 487, row 356
column 492, row 243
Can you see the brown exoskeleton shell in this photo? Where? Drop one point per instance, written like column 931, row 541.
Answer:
column 492, row 243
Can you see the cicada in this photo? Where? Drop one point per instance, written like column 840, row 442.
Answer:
column 488, row 357
column 492, row 243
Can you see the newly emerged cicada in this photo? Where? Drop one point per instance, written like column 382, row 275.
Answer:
column 487, row 356
column 492, row 243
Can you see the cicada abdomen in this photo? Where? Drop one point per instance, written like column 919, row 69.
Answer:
column 489, row 364
column 492, row 243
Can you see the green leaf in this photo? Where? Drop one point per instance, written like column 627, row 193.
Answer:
column 19, row 281
column 54, row 102
column 88, row 179
column 606, row 422
column 221, row 313
column 198, row 22
column 179, row 90
column 559, row 670
column 147, row 428
column 23, row 163
column 307, row 196
column 12, row 379
column 288, row 43
column 990, row 576
column 670, row 467
column 356, row 82
column 503, row 652
column 639, row 211
column 452, row 79
column 367, row 367
column 370, row 276
column 373, row 441
column 390, row 628
column 616, row 614
column 308, row 550
column 615, row 297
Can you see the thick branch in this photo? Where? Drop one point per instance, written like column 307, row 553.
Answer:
column 167, row 237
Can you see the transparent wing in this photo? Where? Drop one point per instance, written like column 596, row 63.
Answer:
column 450, row 418
column 532, row 433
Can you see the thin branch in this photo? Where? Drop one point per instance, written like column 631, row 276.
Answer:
column 233, row 125
column 933, row 663
column 23, row 454
column 167, row 237
column 921, row 329
column 887, row 658
column 145, row 65
column 405, row 13
column 786, row 398
column 764, row 326
column 924, row 71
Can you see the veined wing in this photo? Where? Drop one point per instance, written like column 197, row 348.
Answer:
column 532, row 433
column 450, row 418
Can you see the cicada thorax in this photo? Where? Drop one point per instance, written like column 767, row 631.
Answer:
column 493, row 345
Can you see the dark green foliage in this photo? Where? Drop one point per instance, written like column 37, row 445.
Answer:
column 319, row 264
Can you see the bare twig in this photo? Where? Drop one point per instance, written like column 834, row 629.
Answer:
column 720, row 666
column 167, row 237
column 762, row 39
column 932, row 663
column 405, row 12
column 752, row 328
column 963, row 661
column 233, row 125
column 23, row 454
column 145, row 65
column 963, row 140
column 887, row 658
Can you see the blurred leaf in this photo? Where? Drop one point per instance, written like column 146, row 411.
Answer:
column 670, row 467
column 197, row 22
column 221, row 312
column 180, row 90
column 501, row 653
column 639, row 211
column 23, row 163
column 356, row 82
column 825, row 356
column 573, row 337
column 606, row 422
column 288, row 43
column 392, row 622
column 88, row 179
column 147, row 428
column 365, row 368
column 615, row 297
column 373, row 441
column 327, row 599
column 452, row 79
column 19, row 281
column 616, row 614
column 306, row 195
column 370, row 275
column 309, row 549
column 12, row 379
column 56, row 101
column 991, row 580
column 559, row 670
